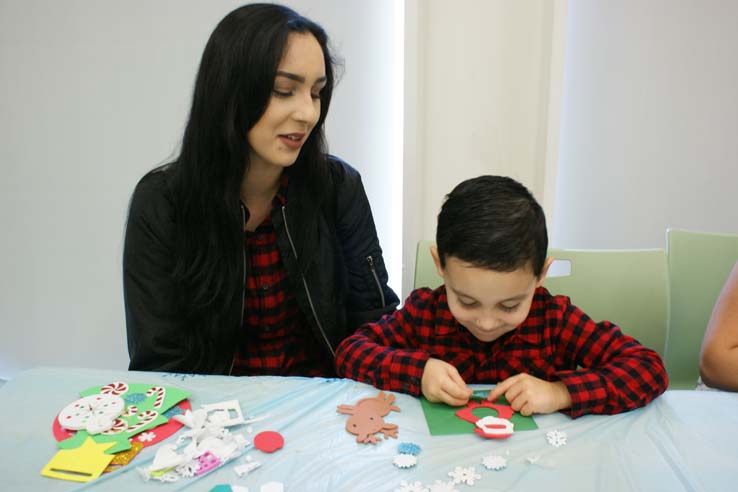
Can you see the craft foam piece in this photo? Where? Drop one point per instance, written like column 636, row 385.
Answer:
column 408, row 448
column 442, row 419
column 489, row 427
column 272, row 487
column 410, row 487
column 81, row 464
column 95, row 413
column 494, row 462
column 405, row 461
column 157, row 400
column 162, row 431
column 229, row 488
column 245, row 469
column 124, row 457
column 208, row 462
column 268, row 441
column 440, row 486
column 556, row 438
column 222, row 413
column 367, row 418
column 464, row 475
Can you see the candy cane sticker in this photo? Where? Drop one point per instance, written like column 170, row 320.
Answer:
column 117, row 388
column 119, row 426
column 131, row 411
column 146, row 417
column 159, row 392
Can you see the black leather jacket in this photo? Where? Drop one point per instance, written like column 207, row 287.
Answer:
column 344, row 286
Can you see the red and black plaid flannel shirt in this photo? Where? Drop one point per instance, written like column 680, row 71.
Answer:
column 275, row 337
column 605, row 371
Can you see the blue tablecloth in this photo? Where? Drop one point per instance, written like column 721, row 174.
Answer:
column 683, row 441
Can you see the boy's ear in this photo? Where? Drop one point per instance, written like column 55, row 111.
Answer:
column 544, row 270
column 436, row 260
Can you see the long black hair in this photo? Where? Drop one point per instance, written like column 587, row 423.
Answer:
column 232, row 90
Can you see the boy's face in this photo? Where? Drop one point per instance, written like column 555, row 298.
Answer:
column 486, row 302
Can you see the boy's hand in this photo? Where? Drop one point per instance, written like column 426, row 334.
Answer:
column 442, row 382
column 528, row 395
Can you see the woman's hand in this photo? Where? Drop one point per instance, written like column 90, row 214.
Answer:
column 442, row 382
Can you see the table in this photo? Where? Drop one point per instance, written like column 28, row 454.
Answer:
column 683, row 441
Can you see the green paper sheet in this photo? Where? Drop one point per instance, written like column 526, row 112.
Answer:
column 442, row 419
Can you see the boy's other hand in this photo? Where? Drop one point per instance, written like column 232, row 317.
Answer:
column 528, row 395
column 442, row 382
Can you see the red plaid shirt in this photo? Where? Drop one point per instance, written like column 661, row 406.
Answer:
column 275, row 336
column 604, row 370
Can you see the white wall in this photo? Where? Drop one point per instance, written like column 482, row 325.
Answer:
column 485, row 71
column 649, row 122
column 95, row 93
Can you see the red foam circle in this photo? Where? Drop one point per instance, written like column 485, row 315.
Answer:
column 268, row 441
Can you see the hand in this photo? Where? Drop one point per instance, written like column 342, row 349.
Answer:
column 442, row 382
column 528, row 395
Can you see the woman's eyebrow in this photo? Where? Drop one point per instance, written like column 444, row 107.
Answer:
column 298, row 78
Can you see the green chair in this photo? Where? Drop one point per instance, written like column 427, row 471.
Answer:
column 626, row 287
column 699, row 264
column 425, row 270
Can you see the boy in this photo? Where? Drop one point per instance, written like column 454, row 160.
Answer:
column 493, row 322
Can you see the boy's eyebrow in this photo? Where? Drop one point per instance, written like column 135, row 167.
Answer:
column 519, row 297
column 298, row 78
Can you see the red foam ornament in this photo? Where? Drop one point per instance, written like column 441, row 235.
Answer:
column 268, row 441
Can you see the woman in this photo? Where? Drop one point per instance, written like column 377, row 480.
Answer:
column 254, row 252
column 719, row 353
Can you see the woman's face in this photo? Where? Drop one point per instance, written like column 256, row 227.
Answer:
column 294, row 108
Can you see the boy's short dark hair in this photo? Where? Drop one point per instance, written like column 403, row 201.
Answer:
column 492, row 222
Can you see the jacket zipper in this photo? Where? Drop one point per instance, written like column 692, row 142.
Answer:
column 370, row 260
column 304, row 283
column 243, row 289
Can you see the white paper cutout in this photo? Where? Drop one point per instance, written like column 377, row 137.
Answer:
column 94, row 413
column 556, row 438
column 411, row 487
column 491, row 426
column 440, row 486
column 464, row 475
column 222, row 413
column 405, row 461
column 494, row 462
column 272, row 487
column 246, row 468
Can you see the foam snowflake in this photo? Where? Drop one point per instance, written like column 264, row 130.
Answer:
column 533, row 459
column 411, row 487
column 494, row 462
column 556, row 438
column 408, row 448
column 146, row 436
column 405, row 461
column 464, row 475
column 440, row 486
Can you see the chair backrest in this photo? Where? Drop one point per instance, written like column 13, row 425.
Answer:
column 425, row 270
column 699, row 264
column 626, row 287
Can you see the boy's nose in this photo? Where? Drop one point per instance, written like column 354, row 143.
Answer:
column 487, row 323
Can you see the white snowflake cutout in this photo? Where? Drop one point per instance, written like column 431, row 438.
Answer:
column 494, row 462
column 405, row 461
column 556, row 438
column 533, row 459
column 147, row 436
column 411, row 487
column 440, row 486
column 464, row 475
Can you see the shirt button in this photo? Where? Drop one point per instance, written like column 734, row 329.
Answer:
column 264, row 286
